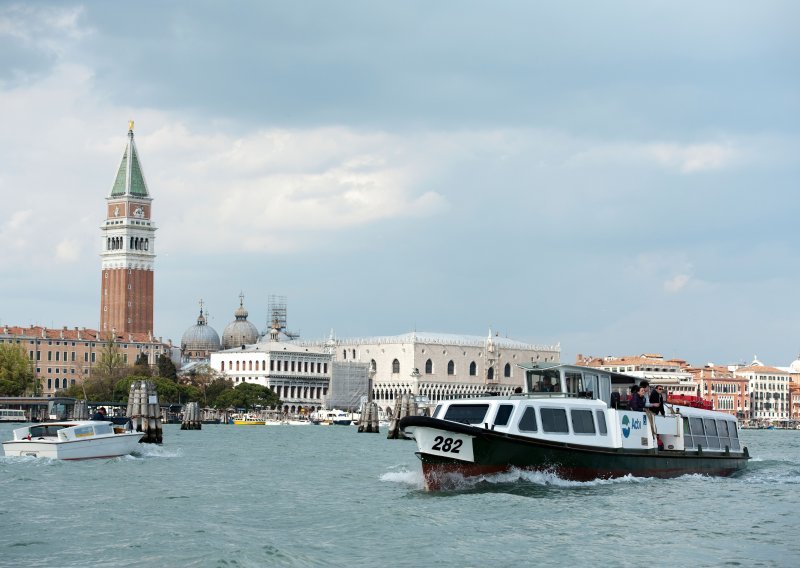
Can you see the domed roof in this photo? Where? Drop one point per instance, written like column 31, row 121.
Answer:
column 240, row 331
column 200, row 337
column 795, row 366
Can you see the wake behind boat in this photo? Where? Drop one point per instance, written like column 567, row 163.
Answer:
column 74, row 440
column 569, row 420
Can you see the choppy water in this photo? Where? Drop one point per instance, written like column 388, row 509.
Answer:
column 329, row 496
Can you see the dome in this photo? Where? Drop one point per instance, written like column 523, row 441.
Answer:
column 200, row 337
column 795, row 366
column 240, row 331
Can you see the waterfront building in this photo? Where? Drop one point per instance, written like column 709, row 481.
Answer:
column 726, row 391
column 438, row 366
column 769, row 391
column 65, row 357
column 128, row 250
column 199, row 341
column 299, row 375
column 240, row 331
column 673, row 374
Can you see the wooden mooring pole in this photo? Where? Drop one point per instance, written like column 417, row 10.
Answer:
column 191, row 417
column 404, row 405
column 369, row 418
column 144, row 412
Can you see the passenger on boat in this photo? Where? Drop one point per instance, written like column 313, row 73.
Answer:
column 657, row 400
column 638, row 401
column 100, row 414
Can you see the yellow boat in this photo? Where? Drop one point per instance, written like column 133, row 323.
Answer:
column 249, row 421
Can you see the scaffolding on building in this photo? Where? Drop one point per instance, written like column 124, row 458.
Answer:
column 349, row 385
column 277, row 316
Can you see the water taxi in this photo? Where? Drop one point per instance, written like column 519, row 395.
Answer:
column 572, row 421
column 72, row 440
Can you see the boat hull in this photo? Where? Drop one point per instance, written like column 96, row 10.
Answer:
column 100, row 447
column 495, row 452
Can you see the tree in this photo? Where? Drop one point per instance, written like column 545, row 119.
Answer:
column 141, row 367
column 166, row 368
column 215, row 389
column 16, row 371
column 201, row 377
column 247, row 395
column 110, row 368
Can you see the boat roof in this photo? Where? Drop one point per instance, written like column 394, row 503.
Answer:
column 616, row 378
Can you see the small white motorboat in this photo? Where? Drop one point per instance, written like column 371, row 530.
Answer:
column 72, row 440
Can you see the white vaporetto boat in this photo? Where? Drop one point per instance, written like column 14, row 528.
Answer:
column 572, row 421
column 72, row 440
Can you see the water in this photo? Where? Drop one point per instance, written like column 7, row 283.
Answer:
column 329, row 496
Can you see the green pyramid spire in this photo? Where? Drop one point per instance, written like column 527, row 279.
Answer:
column 130, row 179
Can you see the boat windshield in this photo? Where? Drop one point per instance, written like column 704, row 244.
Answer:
column 466, row 413
column 44, row 430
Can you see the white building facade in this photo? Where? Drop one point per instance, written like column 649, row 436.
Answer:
column 299, row 375
column 769, row 392
column 439, row 366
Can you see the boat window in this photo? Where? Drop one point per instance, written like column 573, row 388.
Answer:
column 466, row 413
column 711, row 431
column 503, row 414
column 724, row 437
column 601, row 422
column 436, row 410
column 102, row 429
column 582, row 422
column 698, row 432
column 528, row 421
column 44, row 430
column 734, row 433
column 554, row 420
column 688, row 439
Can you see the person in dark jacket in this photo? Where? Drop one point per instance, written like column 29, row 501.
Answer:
column 657, row 400
column 638, row 401
column 100, row 414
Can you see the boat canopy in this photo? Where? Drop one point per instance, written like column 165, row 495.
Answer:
column 574, row 380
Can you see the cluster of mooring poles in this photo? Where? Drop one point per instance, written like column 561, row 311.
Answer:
column 404, row 405
column 369, row 418
column 144, row 412
column 80, row 411
column 191, row 417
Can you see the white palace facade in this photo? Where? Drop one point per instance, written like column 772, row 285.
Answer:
column 439, row 366
column 299, row 375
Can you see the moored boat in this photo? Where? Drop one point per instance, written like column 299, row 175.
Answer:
column 72, row 440
column 571, row 421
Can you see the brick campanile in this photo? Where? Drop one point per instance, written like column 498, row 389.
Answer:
column 128, row 257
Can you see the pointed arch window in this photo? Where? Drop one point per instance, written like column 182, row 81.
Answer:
column 428, row 367
column 473, row 369
column 490, row 374
column 395, row 366
column 451, row 368
column 507, row 370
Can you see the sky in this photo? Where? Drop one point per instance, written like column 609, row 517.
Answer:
column 613, row 177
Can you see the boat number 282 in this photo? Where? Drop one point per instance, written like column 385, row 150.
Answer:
column 441, row 444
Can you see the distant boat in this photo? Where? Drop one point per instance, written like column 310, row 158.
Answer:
column 74, row 440
column 12, row 415
column 248, row 420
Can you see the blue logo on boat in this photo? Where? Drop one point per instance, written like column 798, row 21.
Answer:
column 626, row 429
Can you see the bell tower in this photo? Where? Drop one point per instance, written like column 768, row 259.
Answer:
column 128, row 250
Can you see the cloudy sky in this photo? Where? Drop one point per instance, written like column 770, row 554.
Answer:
column 617, row 177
